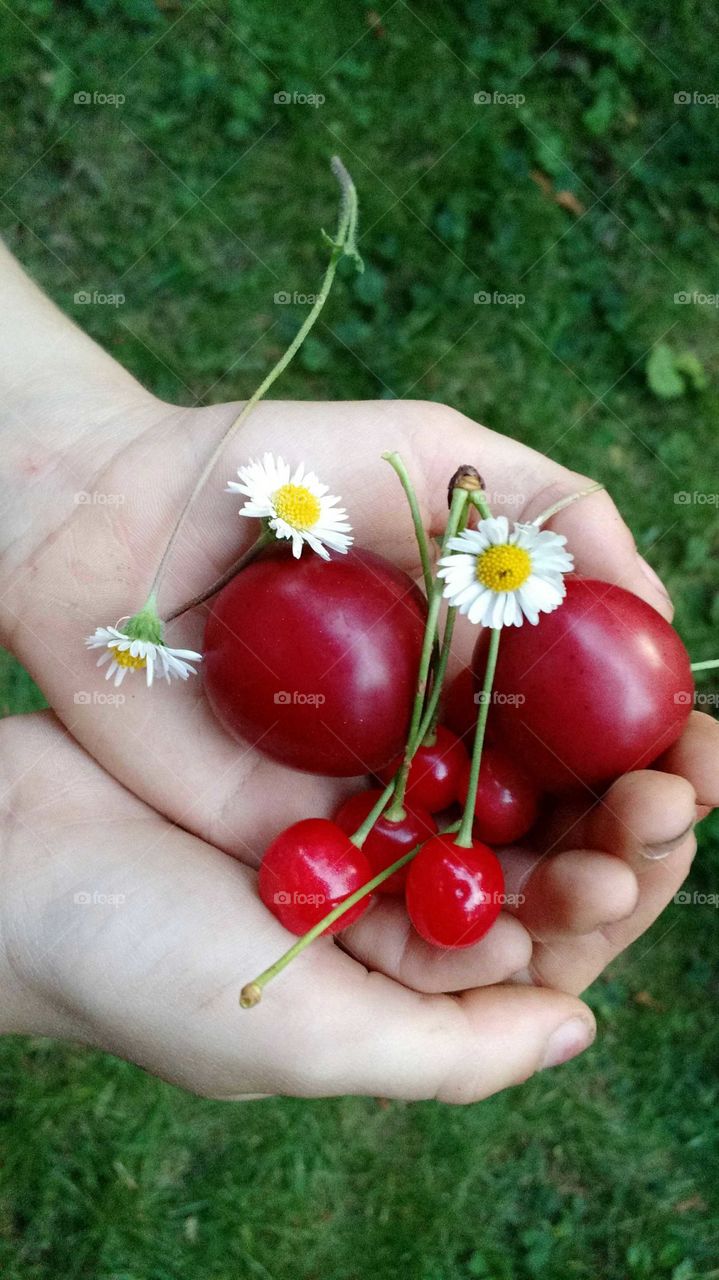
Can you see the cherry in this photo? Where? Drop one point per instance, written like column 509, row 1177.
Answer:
column 453, row 894
column 459, row 705
column 387, row 841
column 600, row 687
column 315, row 662
column 433, row 781
column 506, row 804
column 307, row 870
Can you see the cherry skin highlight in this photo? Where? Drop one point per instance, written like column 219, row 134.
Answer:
column 454, row 895
column 435, row 772
column 387, row 841
column 506, row 805
column 307, row 870
column 315, row 662
column 601, row 686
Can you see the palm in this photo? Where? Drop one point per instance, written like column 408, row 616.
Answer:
column 96, row 565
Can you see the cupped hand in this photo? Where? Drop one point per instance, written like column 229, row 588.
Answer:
column 121, row 931
column 587, row 891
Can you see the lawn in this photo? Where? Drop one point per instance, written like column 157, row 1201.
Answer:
column 546, row 259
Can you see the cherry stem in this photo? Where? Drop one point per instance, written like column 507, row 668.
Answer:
column 464, row 835
column 566, row 502
column 264, row 540
column 705, row 666
column 397, row 464
column 251, row 993
column 344, row 244
column 418, row 726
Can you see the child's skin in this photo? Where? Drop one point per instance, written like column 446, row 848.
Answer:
column 136, row 808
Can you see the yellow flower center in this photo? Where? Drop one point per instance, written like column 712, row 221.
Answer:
column 124, row 658
column 503, row 568
column 297, row 506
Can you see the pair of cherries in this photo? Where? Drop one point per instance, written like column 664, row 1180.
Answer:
column 453, row 894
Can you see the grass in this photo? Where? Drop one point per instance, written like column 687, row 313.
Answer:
column 199, row 199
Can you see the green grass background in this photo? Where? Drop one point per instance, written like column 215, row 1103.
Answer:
column 199, row 198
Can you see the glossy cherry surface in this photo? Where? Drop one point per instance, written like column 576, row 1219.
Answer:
column 600, row 687
column 387, row 841
column 315, row 662
column 454, row 895
column 507, row 801
column 459, row 706
column 307, row 870
column 435, row 772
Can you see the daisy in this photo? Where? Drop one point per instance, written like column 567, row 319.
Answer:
column 130, row 653
column 293, row 506
column 498, row 578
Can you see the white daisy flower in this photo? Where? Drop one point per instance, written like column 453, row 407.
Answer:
column 294, row 506
column 127, row 653
column 498, row 578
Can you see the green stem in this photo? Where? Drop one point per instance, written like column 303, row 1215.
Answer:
column 478, row 498
column 363, row 831
column 705, row 666
column 396, row 462
column 343, row 244
column 251, row 993
column 264, row 540
column 464, row 837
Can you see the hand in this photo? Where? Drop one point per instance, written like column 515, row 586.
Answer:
column 126, row 933
column 72, row 566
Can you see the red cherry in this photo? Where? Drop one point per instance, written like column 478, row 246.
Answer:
column 307, row 870
column 599, row 687
column 454, row 895
column 506, row 804
column 315, row 662
column 433, row 782
column 459, row 705
column 387, row 841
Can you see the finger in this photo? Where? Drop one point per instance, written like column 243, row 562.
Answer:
column 385, row 940
column 696, row 757
column 577, row 892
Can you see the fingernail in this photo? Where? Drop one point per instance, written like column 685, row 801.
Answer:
column 652, row 576
column 567, row 1041
column 655, row 852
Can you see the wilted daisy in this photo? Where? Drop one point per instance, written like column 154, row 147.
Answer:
column 498, row 578
column 293, row 506
column 138, row 646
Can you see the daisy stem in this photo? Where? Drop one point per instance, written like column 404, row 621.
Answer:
column 397, row 464
column 705, row 666
column 344, row 244
column 396, row 811
column 464, row 835
column 264, row 540
column 566, row 502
